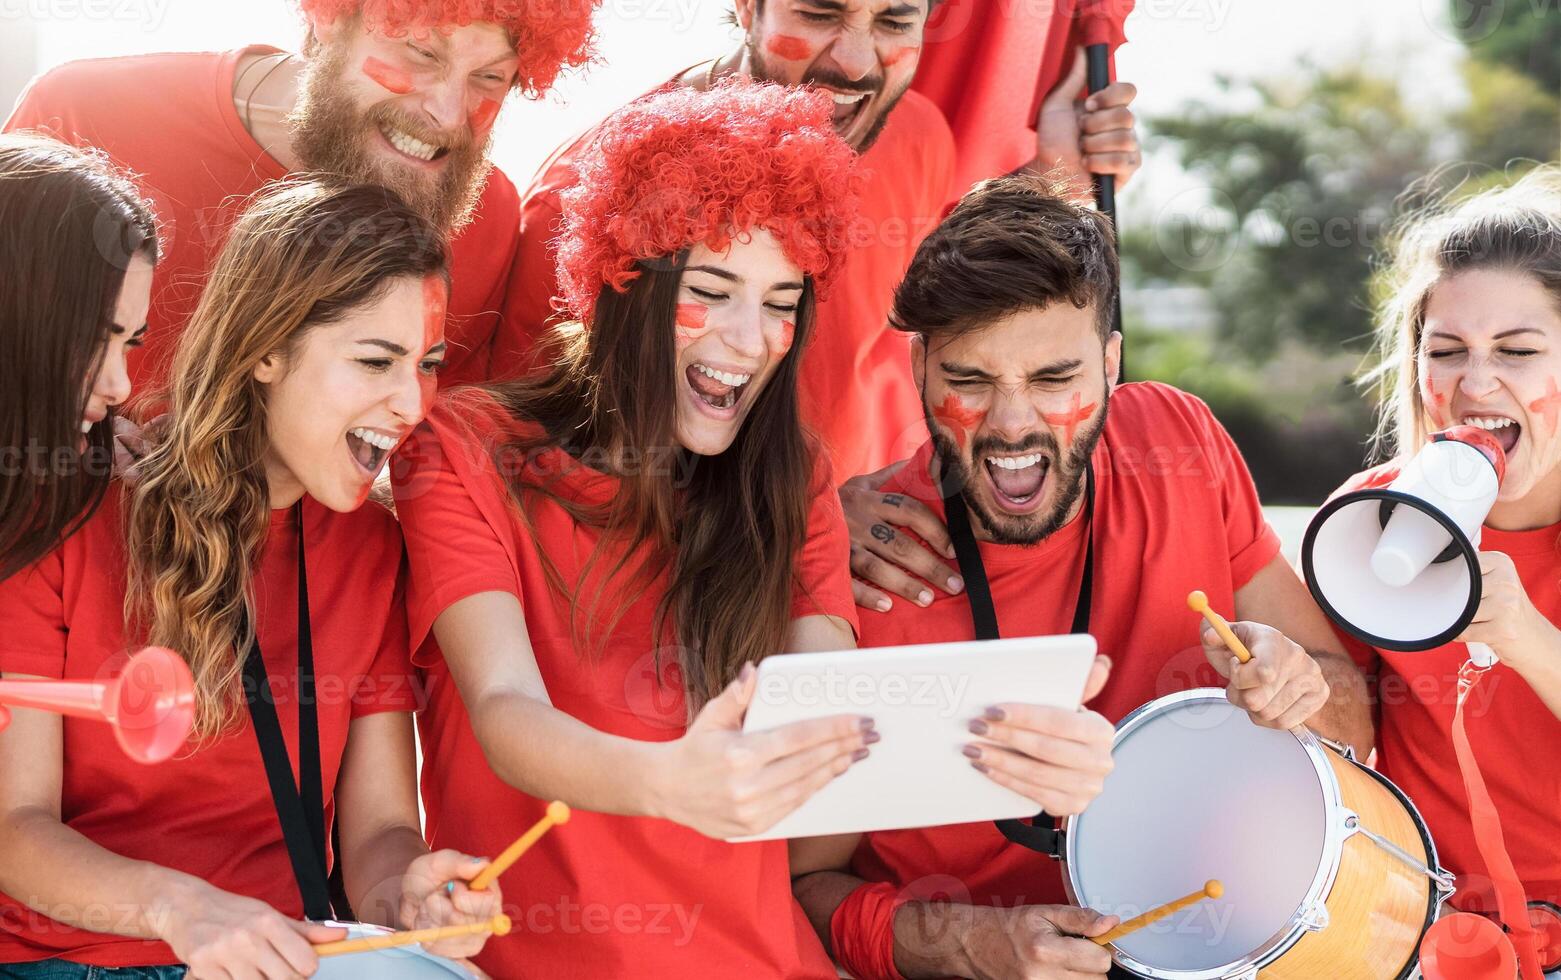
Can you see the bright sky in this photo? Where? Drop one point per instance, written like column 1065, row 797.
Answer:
column 1175, row 49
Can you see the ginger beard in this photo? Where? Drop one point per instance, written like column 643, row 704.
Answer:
column 860, row 123
column 1044, row 493
column 332, row 133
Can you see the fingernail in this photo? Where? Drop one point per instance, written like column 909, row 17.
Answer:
column 978, row 727
column 871, row 737
column 866, row 724
column 956, row 583
column 883, row 605
column 995, row 714
column 978, row 766
column 859, row 755
column 925, row 598
column 449, row 888
column 949, row 552
column 971, row 752
column 1090, row 103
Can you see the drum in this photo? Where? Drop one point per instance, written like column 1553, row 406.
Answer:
column 400, row 963
column 1328, row 869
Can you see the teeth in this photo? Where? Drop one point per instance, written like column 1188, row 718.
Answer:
column 86, row 427
column 735, row 380
column 410, row 146
column 375, row 439
column 1488, row 422
column 1015, row 462
column 842, row 98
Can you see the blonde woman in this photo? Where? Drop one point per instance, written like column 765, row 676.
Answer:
column 247, row 546
column 1471, row 334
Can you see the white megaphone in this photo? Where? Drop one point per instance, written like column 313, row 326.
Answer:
column 1398, row 567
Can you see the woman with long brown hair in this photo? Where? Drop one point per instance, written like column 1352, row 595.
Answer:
column 603, row 553
column 77, row 247
column 245, row 544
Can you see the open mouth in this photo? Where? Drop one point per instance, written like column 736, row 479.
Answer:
column 1507, row 431
column 719, row 391
column 850, row 109
column 409, row 146
column 1017, row 481
column 369, row 449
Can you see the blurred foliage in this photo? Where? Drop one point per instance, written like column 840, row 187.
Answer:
column 1302, row 175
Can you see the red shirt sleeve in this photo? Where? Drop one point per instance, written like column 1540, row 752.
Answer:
column 533, row 280
column 1250, row 539
column 823, row 569
column 451, row 503
column 388, row 685
column 32, row 607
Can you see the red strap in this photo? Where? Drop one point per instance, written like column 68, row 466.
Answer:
column 1511, row 903
column 862, row 931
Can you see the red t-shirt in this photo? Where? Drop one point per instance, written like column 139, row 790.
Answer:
column 1513, row 733
column 857, row 391
column 170, row 119
column 605, row 896
column 1175, row 510
column 209, row 813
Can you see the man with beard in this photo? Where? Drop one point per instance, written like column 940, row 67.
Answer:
column 1052, row 468
column 856, row 383
column 385, row 91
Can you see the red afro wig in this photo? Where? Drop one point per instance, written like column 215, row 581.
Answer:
column 680, row 167
column 549, row 35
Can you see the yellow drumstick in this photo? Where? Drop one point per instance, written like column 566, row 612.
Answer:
column 1211, row 889
column 1199, row 603
column 557, row 813
column 499, row 925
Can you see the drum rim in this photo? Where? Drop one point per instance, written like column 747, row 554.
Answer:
column 1322, row 883
column 1434, row 898
column 415, row 950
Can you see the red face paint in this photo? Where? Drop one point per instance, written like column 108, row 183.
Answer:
column 789, row 47
column 1548, row 405
column 1436, row 404
column 388, row 76
column 959, row 418
column 1071, row 419
column 482, row 117
column 781, row 342
column 900, row 54
column 435, row 299
column 691, row 318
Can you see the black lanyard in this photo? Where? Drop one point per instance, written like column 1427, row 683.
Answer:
column 300, row 808
column 979, row 591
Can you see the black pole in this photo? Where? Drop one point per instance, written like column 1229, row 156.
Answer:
column 1098, row 69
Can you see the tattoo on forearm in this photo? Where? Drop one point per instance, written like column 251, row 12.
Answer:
column 883, row 533
column 894, row 499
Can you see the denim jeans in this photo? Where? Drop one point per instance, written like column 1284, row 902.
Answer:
column 62, row 970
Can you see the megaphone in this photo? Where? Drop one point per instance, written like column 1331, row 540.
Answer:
column 1398, row 567
column 151, row 704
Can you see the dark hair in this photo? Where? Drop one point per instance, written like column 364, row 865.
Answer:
column 1012, row 244
column 69, row 226
column 728, row 537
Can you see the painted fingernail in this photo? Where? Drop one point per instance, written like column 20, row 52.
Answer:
column 978, row 727
column 872, row 737
column 971, row 752
column 956, row 583
column 925, row 598
column 978, row 766
column 859, row 755
column 449, row 888
column 866, row 724
column 995, row 714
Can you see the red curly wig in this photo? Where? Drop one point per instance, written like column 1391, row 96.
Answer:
column 680, row 167
column 549, row 35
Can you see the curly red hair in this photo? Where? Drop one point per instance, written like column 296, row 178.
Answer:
column 549, row 35
column 680, row 167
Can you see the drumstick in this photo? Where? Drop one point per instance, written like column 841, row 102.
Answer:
column 1211, row 889
column 499, row 925
column 1199, row 603
column 557, row 813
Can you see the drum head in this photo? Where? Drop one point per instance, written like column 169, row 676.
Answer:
column 401, row 963
column 1201, row 792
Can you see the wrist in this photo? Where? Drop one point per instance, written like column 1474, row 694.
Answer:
column 174, row 898
column 648, row 764
column 934, row 939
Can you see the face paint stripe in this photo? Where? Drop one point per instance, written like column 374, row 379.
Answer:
column 482, row 117
column 435, row 303
column 958, row 417
column 790, row 47
column 388, row 76
column 1550, row 404
column 691, row 320
column 1437, row 407
column 900, row 54
column 788, row 333
column 1071, row 419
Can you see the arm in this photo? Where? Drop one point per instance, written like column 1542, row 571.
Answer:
column 391, row 877
column 884, row 559
column 714, row 779
column 61, row 874
column 1298, row 674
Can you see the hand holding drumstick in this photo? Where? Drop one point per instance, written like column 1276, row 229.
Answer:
column 1272, row 678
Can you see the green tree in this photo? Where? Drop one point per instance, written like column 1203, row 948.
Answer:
column 1522, row 35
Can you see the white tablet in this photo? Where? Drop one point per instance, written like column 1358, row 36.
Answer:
column 922, row 698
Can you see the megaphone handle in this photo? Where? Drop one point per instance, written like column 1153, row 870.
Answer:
column 1482, row 655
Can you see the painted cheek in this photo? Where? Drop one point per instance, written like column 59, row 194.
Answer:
column 781, row 340
column 692, row 323
column 958, row 418
column 482, row 117
column 1435, row 403
column 388, row 76
column 434, row 308
column 1070, row 420
column 900, row 54
column 1548, row 406
column 790, row 47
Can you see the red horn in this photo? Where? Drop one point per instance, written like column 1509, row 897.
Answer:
column 151, row 704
